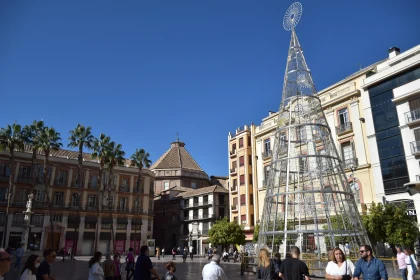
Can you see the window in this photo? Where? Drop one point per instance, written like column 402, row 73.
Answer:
column 137, row 204
column 234, row 164
column 267, row 147
column 4, row 170
column 266, row 172
column 235, row 201
column 300, row 133
column 75, row 200
column 94, row 181
column 242, row 179
column 25, row 172
column 57, row 218
column 252, row 219
column 250, row 160
column 124, row 182
column 251, row 199
column 243, row 219
column 76, row 179
column 243, row 199
column 123, row 203
column 235, row 182
column 250, row 179
column 303, row 164
column 40, row 196
column 61, row 180
column 3, row 194
column 283, row 142
column 241, row 142
column 233, row 148
column 166, row 185
column 241, row 161
column 20, row 196
column 59, row 199
column 347, row 153
column 193, row 185
column 235, row 219
column 38, row 220
column 110, row 201
column 92, row 201
column 343, row 116
column 249, row 141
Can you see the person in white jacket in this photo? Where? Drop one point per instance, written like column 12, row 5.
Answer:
column 30, row 268
column 410, row 260
column 95, row 269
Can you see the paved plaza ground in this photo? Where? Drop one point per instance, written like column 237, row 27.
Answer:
column 78, row 269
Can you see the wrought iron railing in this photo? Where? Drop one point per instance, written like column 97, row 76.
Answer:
column 234, row 207
column 233, row 170
column 344, row 127
column 412, row 116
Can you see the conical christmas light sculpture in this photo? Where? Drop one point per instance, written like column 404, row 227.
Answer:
column 308, row 202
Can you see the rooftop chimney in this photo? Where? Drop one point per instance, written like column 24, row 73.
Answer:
column 393, row 52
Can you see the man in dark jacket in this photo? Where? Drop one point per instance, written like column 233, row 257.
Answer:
column 144, row 267
column 277, row 265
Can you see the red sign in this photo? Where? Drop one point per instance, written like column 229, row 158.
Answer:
column 69, row 245
column 137, row 249
column 119, row 246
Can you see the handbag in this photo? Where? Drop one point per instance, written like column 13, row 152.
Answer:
column 346, row 276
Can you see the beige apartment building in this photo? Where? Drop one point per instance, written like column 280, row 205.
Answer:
column 342, row 107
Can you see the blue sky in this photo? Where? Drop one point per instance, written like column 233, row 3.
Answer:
column 141, row 71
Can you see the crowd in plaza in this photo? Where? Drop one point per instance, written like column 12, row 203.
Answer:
column 291, row 267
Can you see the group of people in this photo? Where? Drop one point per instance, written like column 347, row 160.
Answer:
column 338, row 268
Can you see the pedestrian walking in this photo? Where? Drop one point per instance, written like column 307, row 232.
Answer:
column 31, row 265
column 185, row 254
column 170, row 266
column 108, row 267
column 401, row 262
column 293, row 268
column 173, row 253
column 118, row 267
column 371, row 267
column 19, row 254
column 410, row 261
column 163, row 253
column 277, row 265
column 191, row 252
column 212, row 270
column 339, row 268
column 95, row 270
column 4, row 263
column 265, row 269
column 144, row 267
column 129, row 263
column 158, row 253
column 44, row 269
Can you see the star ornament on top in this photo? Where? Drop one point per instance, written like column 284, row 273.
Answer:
column 292, row 16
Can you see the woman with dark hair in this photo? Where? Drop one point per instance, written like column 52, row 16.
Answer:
column 170, row 266
column 129, row 263
column 30, row 268
column 339, row 268
column 95, row 270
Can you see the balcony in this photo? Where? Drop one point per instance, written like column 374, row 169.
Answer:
column 40, row 203
column 200, row 217
column 412, row 117
column 350, row 162
column 91, row 207
column 232, row 153
column 123, row 210
column 234, row 208
column 124, row 188
column 415, row 148
column 59, row 182
column 58, row 205
column 75, row 184
column 233, row 171
column 198, row 204
column 25, row 180
column 267, row 154
column 234, row 189
column 344, row 128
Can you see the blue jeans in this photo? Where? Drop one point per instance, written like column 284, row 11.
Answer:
column 18, row 259
column 404, row 273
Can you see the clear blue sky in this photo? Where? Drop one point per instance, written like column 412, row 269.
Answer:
column 141, row 71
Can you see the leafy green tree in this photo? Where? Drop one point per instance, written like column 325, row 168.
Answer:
column 81, row 137
column 11, row 139
column 224, row 233
column 256, row 233
column 390, row 223
column 101, row 148
column 139, row 159
column 49, row 141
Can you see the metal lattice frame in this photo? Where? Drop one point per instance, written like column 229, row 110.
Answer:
column 308, row 202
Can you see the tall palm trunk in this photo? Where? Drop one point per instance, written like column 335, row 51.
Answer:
column 98, row 194
column 110, row 181
column 9, row 191
column 79, row 202
column 138, row 207
column 47, row 191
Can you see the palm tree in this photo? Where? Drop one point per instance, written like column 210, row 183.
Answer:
column 49, row 141
column 79, row 138
column 101, row 147
column 139, row 159
column 115, row 158
column 32, row 133
column 11, row 138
